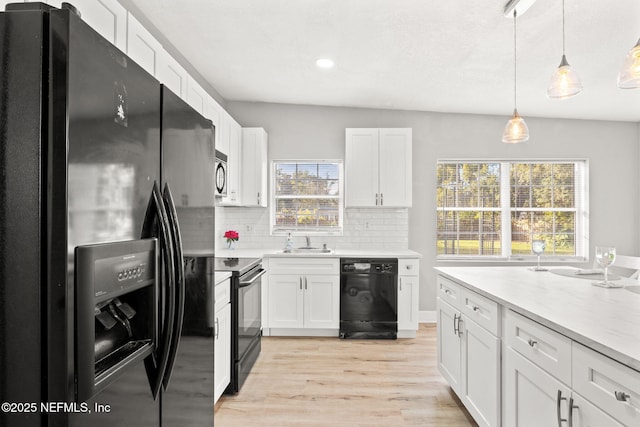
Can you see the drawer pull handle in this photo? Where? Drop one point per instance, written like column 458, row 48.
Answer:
column 559, row 410
column 532, row 343
column 447, row 291
column 476, row 308
column 621, row 396
column 571, row 408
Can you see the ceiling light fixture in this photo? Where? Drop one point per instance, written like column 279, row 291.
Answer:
column 629, row 76
column 565, row 82
column 516, row 129
column 325, row 63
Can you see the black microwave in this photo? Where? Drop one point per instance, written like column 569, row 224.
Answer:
column 220, row 174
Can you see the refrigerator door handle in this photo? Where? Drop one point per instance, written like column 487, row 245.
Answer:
column 155, row 224
column 180, row 283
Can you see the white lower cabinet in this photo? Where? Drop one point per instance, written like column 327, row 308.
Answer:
column 469, row 359
column 408, row 297
column 532, row 397
column 304, row 301
column 222, row 336
column 304, row 294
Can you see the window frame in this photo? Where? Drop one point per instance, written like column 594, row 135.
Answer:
column 333, row 231
column 581, row 211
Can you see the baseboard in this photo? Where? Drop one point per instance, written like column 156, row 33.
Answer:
column 427, row 316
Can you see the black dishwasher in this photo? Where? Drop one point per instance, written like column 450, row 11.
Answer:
column 369, row 298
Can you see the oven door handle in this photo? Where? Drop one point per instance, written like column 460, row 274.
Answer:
column 252, row 279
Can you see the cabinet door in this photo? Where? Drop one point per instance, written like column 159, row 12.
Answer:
column 449, row 345
column 254, row 167
column 171, row 74
column 231, row 134
column 481, row 367
column 532, row 397
column 584, row 414
column 107, row 17
column 222, row 351
column 196, row 95
column 408, row 302
column 395, row 174
column 142, row 47
column 321, row 302
column 286, row 307
column 361, row 168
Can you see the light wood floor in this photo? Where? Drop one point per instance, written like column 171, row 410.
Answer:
column 332, row 382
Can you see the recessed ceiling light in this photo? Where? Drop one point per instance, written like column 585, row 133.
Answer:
column 325, row 63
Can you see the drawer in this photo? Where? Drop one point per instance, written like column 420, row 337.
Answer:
column 408, row 267
column 304, row 265
column 480, row 309
column 609, row 385
column 449, row 291
column 544, row 347
column 222, row 294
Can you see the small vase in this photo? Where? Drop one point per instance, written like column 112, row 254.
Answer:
column 231, row 244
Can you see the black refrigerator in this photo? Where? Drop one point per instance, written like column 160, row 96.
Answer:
column 105, row 181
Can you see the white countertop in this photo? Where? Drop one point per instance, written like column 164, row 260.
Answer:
column 607, row 320
column 337, row 253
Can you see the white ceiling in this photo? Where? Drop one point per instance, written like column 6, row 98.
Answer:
column 446, row 56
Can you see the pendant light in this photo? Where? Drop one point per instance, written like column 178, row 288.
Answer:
column 564, row 82
column 516, row 130
column 629, row 76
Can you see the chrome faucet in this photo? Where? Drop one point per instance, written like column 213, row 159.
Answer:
column 308, row 241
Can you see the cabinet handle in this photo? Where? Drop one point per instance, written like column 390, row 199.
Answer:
column 455, row 323
column 217, row 328
column 459, row 330
column 305, row 283
column 621, row 396
column 447, row 291
column 377, row 199
column 571, row 408
column 300, row 282
column 258, row 197
column 476, row 308
column 532, row 343
column 381, row 199
column 401, row 284
column 559, row 409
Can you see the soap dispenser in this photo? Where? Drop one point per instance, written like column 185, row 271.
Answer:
column 289, row 245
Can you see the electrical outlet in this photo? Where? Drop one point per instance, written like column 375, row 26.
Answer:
column 249, row 228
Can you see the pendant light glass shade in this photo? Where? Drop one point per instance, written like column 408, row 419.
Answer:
column 516, row 130
column 629, row 76
column 565, row 82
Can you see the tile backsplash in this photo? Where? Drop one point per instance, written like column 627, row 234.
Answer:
column 364, row 228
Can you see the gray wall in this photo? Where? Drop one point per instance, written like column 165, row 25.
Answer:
column 297, row 131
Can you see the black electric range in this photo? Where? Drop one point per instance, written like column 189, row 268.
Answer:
column 246, row 315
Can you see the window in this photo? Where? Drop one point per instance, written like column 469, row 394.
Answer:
column 495, row 209
column 307, row 197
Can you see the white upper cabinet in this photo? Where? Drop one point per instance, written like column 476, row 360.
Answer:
column 196, row 95
column 378, row 167
column 107, row 17
column 213, row 111
column 361, row 170
column 395, row 167
column 254, row 167
column 230, row 144
column 171, row 74
column 142, row 47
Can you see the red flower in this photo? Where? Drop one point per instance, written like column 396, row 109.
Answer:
column 231, row 235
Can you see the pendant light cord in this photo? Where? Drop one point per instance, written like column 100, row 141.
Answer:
column 563, row 28
column 515, row 60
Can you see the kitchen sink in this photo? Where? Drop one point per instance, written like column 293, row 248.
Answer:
column 309, row 250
